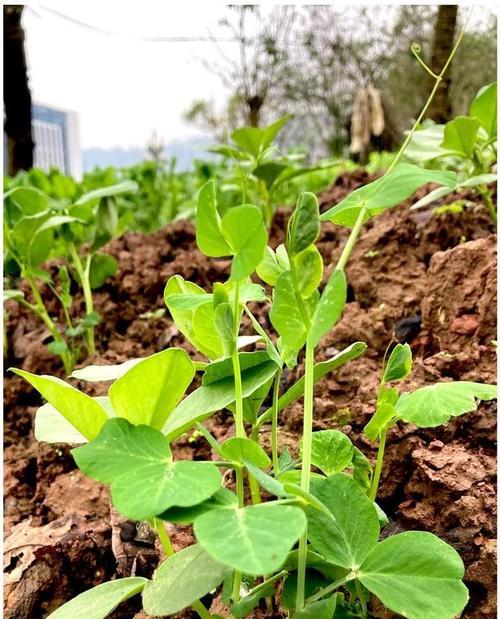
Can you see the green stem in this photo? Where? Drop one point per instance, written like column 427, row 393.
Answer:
column 274, row 428
column 326, row 590
column 238, row 420
column 361, row 597
column 378, row 466
column 84, row 275
column 351, row 241
column 306, row 468
column 41, row 311
column 485, row 194
column 166, row 544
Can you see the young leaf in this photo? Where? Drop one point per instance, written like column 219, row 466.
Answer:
column 346, row 539
column 304, row 224
column 385, row 192
column 416, row 575
column 209, row 236
column 182, row 579
column 102, row 266
column 383, row 415
column 100, row 601
column 309, row 268
column 399, row 364
column 82, row 411
column 250, row 139
column 137, row 462
column 255, row 540
column 330, row 307
column 332, row 451
column 223, row 322
column 460, row 135
column 434, row 405
column 105, row 192
column 152, row 388
column 217, row 395
column 243, row 449
column 484, row 108
column 245, row 232
column 269, row 268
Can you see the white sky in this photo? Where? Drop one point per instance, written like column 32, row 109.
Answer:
column 123, row 89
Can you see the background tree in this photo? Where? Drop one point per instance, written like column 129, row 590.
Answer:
column 16, row 93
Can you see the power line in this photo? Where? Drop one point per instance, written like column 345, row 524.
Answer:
column 103, row 31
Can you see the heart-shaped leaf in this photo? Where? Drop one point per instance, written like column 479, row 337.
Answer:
column 332, row 451
column 254, row 540
column 416, row 575
column 243, row 449
column 434, row 405
column 136, row 461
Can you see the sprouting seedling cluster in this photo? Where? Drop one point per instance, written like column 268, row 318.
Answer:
column 36, row 226
column 319, row 533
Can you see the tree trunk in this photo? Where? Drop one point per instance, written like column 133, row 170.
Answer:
column 16, row 93
column 254, row 104
column 440, row 109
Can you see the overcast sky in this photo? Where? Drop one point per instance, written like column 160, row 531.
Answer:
column 121, row 88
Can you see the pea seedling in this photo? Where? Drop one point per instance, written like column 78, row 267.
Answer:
column 319, row 536
column 37, row 227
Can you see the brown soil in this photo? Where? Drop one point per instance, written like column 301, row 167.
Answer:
column 414, row 276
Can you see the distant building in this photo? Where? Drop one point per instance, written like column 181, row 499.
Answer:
column 57, row 140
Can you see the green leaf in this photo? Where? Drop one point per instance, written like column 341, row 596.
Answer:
column 223, row 368
column 12, row 294
column 248, row 602
column 323, row 609
column 272, row 130
column 99, row 602
column 106, row 222
column 242, row 449
column 304, row 224
column 332, row 451
column 104, row 192
column 399, row 364
column 52, row 427
column 385, row 192
column 223, row 322
column 416, row 575
column 30, row 200
column 217, row 395
column 245, row 232
column 269, row 268
column 182, row 579
column 255, row 540
column 150, row 390
column 321, row 369
column 209, row 236
column 362, row 469
column 82, row 411
column 434, row 405
column 383, row 416
column 330, row 307
column 227, row 151
column 205, row 334
column 460, row 135
column 187, row 515
column 184, row 316
column 315, row 581
column 250, row 139
column 137, row 462
column 55, row 221
column 102, row 266
column 484, row 108
column 347, row 539
column 286, row 317
column 269, row 172
column 309, row 269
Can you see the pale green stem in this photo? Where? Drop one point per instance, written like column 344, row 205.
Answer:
column 306, row 468
column 326, row 590
column 238, row 420
column 274, row 427
column 351, row 241
column 83, row 274
column 378, row 465
column 361, row 597
column 166, row 544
